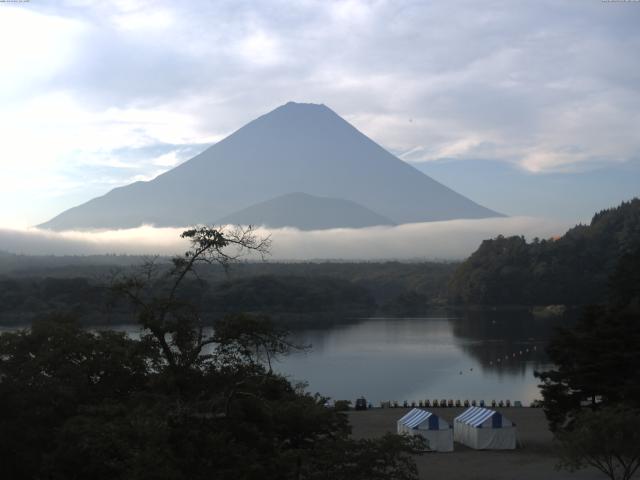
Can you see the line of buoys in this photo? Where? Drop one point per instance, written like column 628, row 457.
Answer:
column 517, row 354
column 450, row 403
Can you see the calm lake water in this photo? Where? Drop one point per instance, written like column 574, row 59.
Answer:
column 477, row 355
column 474, row 356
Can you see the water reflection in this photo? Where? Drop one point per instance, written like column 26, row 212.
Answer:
column 476, row 355
column 505, row 341
column 473, row 356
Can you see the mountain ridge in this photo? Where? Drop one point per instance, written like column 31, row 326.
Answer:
column 306, row 212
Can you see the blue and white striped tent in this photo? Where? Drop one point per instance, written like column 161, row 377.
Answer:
column 434, row 429
column 484, row 429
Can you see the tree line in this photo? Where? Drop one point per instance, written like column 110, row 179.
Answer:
column 573, row 269
column 293, row 293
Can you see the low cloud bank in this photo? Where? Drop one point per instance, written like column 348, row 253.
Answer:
column 447, row 240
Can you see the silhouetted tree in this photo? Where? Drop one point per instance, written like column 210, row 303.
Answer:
column 174, row 323
column 49, row 374
column 607, row 439
column 597, row 362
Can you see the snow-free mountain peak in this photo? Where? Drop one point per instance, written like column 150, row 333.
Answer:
column 297, row 147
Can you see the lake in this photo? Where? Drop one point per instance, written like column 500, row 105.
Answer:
column 473, row 355
column 481, row 355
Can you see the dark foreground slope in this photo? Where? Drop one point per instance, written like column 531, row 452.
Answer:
column 295, row 148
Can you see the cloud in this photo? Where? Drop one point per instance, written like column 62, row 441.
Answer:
column 34, row 47
column 261, row 48
column 549, row 86
column 144, row 20
column 447, row 240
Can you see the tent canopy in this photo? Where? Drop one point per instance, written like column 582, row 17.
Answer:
column 479, row 417
column 484, row 429
column 423, row 420
column 433, row 429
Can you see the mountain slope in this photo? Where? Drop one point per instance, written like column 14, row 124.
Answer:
column 306, row 212
column 573, row 269
column 296, row 147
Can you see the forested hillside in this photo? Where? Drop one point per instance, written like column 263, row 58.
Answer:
column 572, row 269
column 297, row 292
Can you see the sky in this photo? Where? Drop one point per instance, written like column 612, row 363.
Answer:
column 530, row 108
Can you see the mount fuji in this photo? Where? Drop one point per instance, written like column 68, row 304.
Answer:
column 290, row 167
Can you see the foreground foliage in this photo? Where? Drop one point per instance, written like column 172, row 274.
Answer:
column 592, row 396
column 77, row 405
column 598, row 363
column 606, row 439
column 180, row 402
column 598, row 359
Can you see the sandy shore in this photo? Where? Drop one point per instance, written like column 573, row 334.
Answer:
column 534, row 459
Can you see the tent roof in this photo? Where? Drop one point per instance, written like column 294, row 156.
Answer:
column 415, row 417
column 475, row 416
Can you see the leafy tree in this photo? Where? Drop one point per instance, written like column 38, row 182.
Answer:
column 366, row 459
column 606, row 439
column 592, row 397
column 597, row 360
column 597, row 363
column 624, row 284
column 49, row 373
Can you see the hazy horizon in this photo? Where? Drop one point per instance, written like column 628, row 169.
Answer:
column 448, row 240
